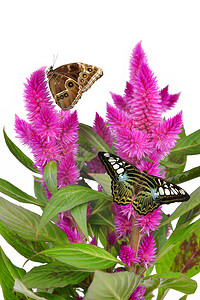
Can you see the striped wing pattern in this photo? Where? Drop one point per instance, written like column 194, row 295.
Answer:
column 145, row 192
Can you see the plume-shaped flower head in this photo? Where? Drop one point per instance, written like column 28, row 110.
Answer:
column 136, row 121
column 51, row 136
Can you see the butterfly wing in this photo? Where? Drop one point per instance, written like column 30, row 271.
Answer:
column 155, row 191
column 165, row 192
column 88, row 75
column 65, row 89
column 68, row 82
column 145, row 192
column 124, row 177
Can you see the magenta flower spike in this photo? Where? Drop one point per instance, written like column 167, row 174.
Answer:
column 138, row 293
column 71, row 233
column 140, row 131
column 148, row 223
column 112, row 239
column 127, row 255
column 138, row 58
column 94, row 165
column 51, row 136
column 137, row 121
column 147, row 250
column 36, row 94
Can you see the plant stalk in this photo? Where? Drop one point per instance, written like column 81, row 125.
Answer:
column 134, row 242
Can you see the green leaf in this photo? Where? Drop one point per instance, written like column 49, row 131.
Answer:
column 50, row 176
column 183, row 257
column 189, row 145
column 169, row 280
column 113, row 286
column 185, row 176
column 50, row 296
column 25, row 160
column 181, row 284
column 67, row 198
column 172, row 165
column 84, row 155
column 12, row 191
column 160, row 235
column 25, row 223
column 150, row 284
column 184, row 207
column 175, row 162
column 53, row 275
column 21, row 288
column 184, row 297
column 7, row 276
column 79, row 213
column 187, row 218
column 103, row 218
column 40, row 191
column 104, row 180
column 24, row 247
column 88, row 136
column 178, row 236
column 83, row 256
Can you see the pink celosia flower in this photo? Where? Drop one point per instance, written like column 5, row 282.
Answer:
column 125, row 210
column 168, row 101
column 112, row 239
column 137, row 119
column 147, row 250
column 36, row 94
column 89, row 209
column 66, row 225
column 51, row 136
column 94, row 165
column 122, row 220
column 138, row 293
column 149, row 222
column 47, row 123
column 140, row 130
column 67, row 172
column 93, row 241
column 138, row 57
column 132, row 143
column 102, row 130
column 69, row 126
column 165, row 134
column 123, row 226
column 127, row 255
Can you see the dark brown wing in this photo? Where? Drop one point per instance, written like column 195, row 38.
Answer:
column 65, row 90
column 70, row 70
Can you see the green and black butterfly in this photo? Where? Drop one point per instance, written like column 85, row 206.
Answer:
column 145, row 192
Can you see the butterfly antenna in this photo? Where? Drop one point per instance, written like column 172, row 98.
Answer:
column 54, row 59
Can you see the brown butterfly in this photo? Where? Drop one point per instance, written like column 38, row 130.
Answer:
column 68, row 82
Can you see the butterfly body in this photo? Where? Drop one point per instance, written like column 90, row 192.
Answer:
column 68, row 82
column 145, row 192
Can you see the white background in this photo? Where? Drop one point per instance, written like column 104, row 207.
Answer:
column 102, row 33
